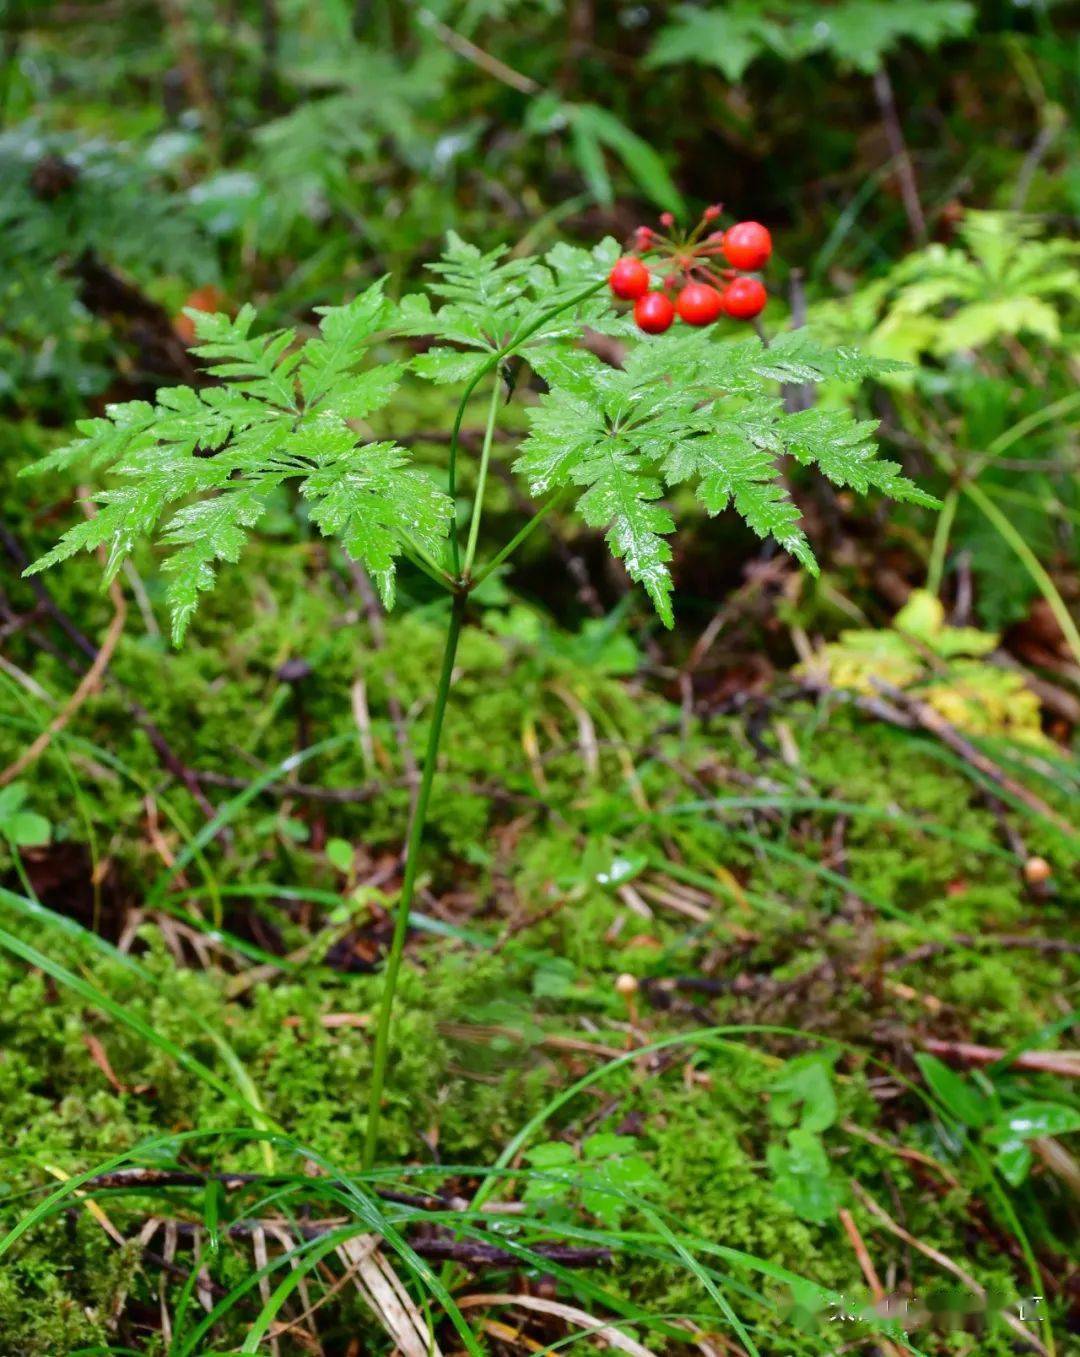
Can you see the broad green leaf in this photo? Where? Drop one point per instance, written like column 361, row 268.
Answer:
column 339, row 854
column 957, row 1095
column 802, row 1176
column 644, row 164
column 21, row 827
column 1032, row 1119
column 803, row 1094
column 1014, row 1160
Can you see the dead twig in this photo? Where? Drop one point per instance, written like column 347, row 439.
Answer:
column 89, row 683
column 1066, row 1063
column 931, row 721
column 166, row 755
column 191, row 68
column 901, row 1151
column 437, row 1247
column 484, row 60
column 607, row 1332
column 869, row 1272
column 905, row 171
column 1054, row 121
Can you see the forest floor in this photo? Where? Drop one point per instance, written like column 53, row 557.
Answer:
column 838, row 889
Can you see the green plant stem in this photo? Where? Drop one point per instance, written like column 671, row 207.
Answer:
column 481, row 483
column 408, row 885
column 493, row 362
column 516, row 540
column 423, row 562
column 935, row 569
column 457, row 615
column 1031, row 563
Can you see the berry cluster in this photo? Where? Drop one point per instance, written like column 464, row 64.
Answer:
column 703, row 291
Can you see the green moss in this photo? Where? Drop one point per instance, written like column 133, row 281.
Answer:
column 779, row 943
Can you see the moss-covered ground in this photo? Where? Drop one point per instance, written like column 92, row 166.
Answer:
column 839, row 890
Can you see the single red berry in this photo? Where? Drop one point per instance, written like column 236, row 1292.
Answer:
column 745, row 298
column 654, row 313
column 711, row 212
column 667, row 220
column 629, row 279
column 747, row 245
column 699, row 304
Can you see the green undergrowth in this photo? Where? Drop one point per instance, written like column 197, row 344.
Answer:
column 702, row 1127
column 774, row 872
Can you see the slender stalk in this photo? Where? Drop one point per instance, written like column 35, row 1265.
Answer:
column 905, row 171
column 423, row 562
column 481, row 483
column 408, row 885
column 493, row 362
column 1031, row 563
column 936, row 567
column 457, row 614
column 516, row 540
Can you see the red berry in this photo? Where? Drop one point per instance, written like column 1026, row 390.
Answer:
column 629, row 279
column 711, row 212
column 745, row 298
column 667, row 220
column 747, row 245
column 654, row 313
column 699, row 304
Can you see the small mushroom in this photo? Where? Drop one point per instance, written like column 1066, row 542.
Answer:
column 1036, row 871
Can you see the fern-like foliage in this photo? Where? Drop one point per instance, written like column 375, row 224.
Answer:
column 1001, row 279
column 360, row 103
column 691, row 410
column 857, row 33
column 104, row 198
column 495, row 304
column 197, row 468
column 63, row 198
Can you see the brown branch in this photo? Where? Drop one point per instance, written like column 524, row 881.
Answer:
column 169, row 760
column 492, row 66
column 1054, row 121
column 1066, row 1063
column 905, row 172
column 470, row 1252
column 143, row 1179
column 89, row 683
column 931, row 721
column 374, row 615
column 191, row 68
column 109, row 295
column 866, row 1267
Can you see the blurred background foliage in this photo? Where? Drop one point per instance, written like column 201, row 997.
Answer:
column 918, row 163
